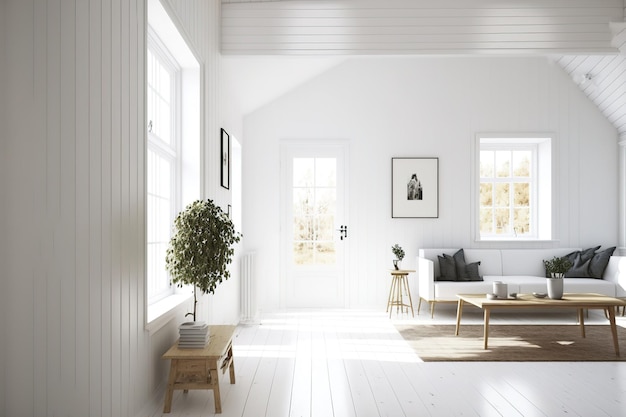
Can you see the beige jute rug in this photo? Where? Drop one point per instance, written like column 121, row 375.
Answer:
column 517, row 343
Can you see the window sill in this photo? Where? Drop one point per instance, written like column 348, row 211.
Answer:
column 161, row 312
column 519, row 242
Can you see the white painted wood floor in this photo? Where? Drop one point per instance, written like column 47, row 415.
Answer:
column 354, row 364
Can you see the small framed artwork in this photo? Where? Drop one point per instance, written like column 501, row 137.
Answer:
column 225, row 152
column 414, row 187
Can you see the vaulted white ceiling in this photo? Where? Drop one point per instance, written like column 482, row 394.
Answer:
column 583, row 36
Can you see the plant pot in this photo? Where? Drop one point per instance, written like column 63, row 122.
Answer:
column 555, row 288
column 396, row 264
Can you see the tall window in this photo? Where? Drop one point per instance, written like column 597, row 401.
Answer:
column 163, row 163
column 173, row 151
column 514, row 199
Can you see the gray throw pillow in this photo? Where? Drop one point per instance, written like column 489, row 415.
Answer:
column 459, row 260
column 472, row 272
column 579, row 261
column 599, row 262
column 579, row 268
column 447, row 268
column 465, row 271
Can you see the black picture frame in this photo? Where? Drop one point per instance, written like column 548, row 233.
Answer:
column 225, row 159
column 415, row 187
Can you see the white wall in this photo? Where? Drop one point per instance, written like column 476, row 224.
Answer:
column 219, row 112
column 73, row 221
column 393, row 106
column 3, row 177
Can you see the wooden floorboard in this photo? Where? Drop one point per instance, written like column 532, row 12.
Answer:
column 355, row 364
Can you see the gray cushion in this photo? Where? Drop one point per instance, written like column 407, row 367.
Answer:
column 585, row 254
column 599, row 262
column 459, row 260
column 472, row 272
column 465, row 271
column 579, row 268
column 447, row 268
column 580, row 263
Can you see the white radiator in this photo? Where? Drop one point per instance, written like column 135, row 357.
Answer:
column 248, row 293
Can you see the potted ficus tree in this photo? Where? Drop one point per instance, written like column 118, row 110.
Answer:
column 555, row 271
column 201, row 248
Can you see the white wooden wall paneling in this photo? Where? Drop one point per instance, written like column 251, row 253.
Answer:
column 96, row 158
column 204, row 38
column 4, row 172
column 77, row 140
column 403, row 26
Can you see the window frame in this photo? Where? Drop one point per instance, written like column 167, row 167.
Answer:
column 541, row 204
column 167, row 28
column 172, row 151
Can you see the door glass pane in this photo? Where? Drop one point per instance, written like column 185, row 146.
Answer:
column 303, row 253
column 303, row 201
column 303, row 170
column 314, row 205
column 325, row 253
column 325, row 172
column 325, row 201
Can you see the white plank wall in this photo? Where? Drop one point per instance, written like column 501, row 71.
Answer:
column 193, row 16
column 4, row 160
column 73, row 232
column 75, row 258
column 418, row 27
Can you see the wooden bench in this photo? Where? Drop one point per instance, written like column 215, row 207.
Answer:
column 199, row 368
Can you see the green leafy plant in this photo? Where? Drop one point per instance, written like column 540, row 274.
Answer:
column 201, row 248
column 557, row 266
column 398, row 251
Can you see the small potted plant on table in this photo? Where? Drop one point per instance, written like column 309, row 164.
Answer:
column 555, row 270
column 399, row 252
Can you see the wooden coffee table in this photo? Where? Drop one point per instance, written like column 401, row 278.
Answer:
column 577, row 301
column 199, row 368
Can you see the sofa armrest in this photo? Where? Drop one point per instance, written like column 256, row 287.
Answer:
column 426, row 278
column 616, row 273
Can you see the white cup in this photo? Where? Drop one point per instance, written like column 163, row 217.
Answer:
column 500, row 289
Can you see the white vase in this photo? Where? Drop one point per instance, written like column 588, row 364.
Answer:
column 555, row 288
column 396, row 264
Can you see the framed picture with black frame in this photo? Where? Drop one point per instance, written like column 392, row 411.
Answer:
column 225, row 159
column 414, row 187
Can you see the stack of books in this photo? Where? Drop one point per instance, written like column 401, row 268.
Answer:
column 193, row 335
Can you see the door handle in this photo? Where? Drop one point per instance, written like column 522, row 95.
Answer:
column 343, row 232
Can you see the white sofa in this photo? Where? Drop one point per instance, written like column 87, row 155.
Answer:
column 521, row 269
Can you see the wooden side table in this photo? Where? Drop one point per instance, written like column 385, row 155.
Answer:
column 399, row 282
column 198, row 368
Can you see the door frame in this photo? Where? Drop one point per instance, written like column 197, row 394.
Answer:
column 286, row 146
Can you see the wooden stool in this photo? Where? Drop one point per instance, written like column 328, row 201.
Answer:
column 399, row 282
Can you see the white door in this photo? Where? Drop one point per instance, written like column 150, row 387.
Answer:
column 314, row 229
